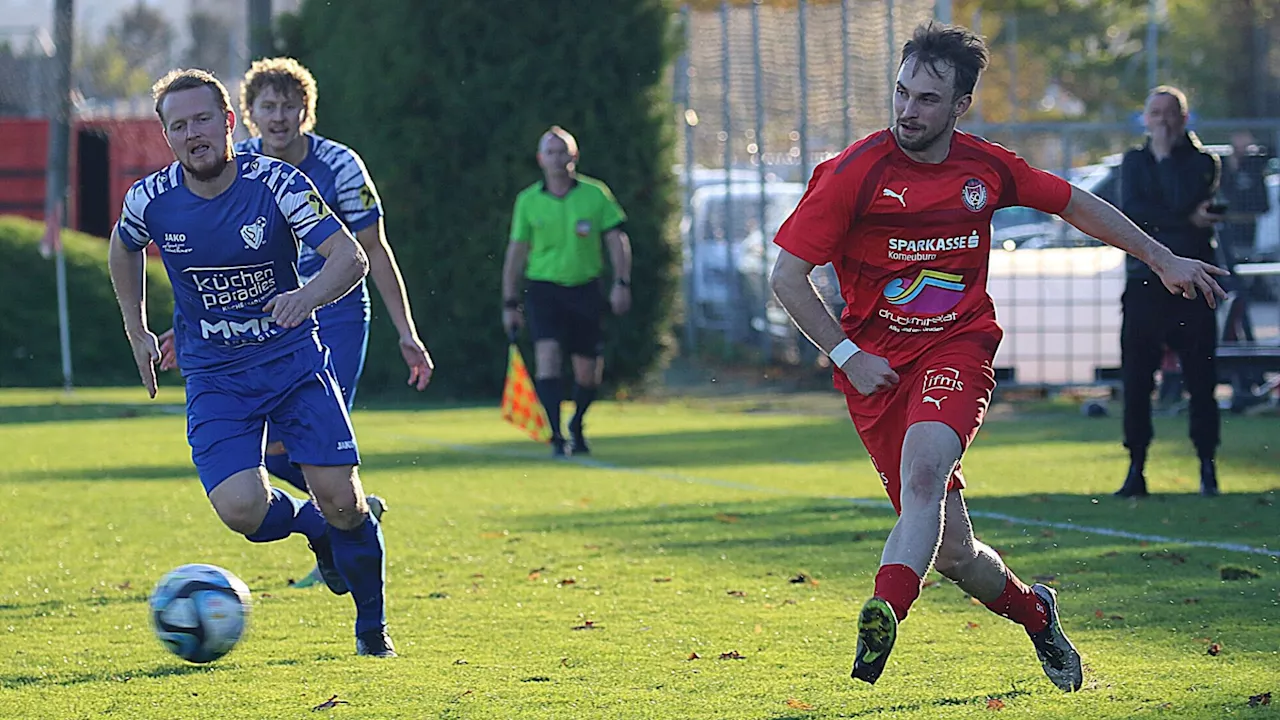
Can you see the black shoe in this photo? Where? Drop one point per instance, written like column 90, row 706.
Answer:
column 1058, row 657
column 1135, row 484
column 375, row 643
column 877, row 631
column 1208, row 478
column 328, row 569
column 557, row 447
column 578, row 440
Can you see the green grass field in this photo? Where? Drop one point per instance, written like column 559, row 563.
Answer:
column 709, row 553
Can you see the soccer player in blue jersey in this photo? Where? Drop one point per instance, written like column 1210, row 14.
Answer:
column 278, row 104
column 229, row 227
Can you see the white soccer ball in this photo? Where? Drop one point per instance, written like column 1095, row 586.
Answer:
column 199, row 611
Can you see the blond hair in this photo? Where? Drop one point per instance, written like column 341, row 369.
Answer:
column 286, row 76
column 188, row 79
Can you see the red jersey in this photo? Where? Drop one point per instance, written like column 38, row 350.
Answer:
column 910, row 241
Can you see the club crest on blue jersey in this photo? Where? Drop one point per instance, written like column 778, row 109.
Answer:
column 254, row 233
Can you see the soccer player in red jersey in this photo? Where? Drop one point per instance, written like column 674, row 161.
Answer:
column 905, row 216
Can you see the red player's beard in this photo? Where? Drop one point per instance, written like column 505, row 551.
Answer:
column 916, row 136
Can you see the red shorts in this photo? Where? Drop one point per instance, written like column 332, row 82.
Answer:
column 951, row 384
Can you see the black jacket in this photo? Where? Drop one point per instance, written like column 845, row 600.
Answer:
column 1161, row 196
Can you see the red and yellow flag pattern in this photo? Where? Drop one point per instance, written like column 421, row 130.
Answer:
column 520, row 405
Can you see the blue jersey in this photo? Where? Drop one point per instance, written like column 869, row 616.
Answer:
column 226, row 257
column 344, row 183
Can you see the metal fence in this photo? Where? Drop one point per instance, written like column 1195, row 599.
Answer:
column 765, row 93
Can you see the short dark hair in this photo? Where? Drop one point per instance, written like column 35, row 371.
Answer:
column 177, row 80
column 933, row 43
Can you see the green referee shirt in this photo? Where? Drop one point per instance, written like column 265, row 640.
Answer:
column 564, row 233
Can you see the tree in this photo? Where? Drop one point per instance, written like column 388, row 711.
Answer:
column 210, row 47
column 134, row 51
column 446, row 102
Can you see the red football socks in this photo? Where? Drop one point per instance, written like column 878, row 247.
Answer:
column 899, row 586
column 1020, row 605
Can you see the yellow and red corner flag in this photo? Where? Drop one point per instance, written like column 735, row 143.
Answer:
column 520, row 405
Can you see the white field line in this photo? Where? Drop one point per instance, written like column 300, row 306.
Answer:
column 858, row 502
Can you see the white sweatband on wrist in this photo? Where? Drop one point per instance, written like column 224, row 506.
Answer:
column 841, row 353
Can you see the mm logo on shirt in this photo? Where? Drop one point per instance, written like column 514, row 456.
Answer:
column 238, row 333
column 233, row 288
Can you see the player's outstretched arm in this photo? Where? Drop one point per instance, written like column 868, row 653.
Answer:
column 127, row 270
column 390, row 283
column 345, row 263
column 1181, row 276
column 791, row 283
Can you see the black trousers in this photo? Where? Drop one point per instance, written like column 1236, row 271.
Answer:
column 1154, row 318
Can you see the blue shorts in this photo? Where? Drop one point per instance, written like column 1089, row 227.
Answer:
column 348, row 341
column 227, row 416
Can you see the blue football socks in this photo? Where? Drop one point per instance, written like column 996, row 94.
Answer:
column 360, row 558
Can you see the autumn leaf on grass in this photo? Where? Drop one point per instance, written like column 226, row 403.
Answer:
column 800, row 578
column 1099, row 614
column 329, row 704
column 995, row 704
column 795, row 704
column 759, row 628
column 460, row 661
column 732, row 655
column 438, row 595
column 566, row 581
column 586, row 625
column 536, row 573
column 1239, row 573
column 930, row 583
column 124, row 585
column 1173, row 557
column 694, row 656
column 1257, row 700
column 971, row 625
column 736, row 593
column 1215, row 649
column 590, row 547
column 722, row 517
column 662, row 579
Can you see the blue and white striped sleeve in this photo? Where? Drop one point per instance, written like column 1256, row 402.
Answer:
column 307, row 213
column 132, row 226
column 358, row 201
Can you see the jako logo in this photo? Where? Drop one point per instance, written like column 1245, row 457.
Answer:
column 346, row 444
column 931, row 293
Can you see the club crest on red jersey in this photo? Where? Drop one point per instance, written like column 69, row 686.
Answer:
column 974, row 194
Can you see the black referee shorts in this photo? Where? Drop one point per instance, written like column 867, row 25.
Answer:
column 571, row 316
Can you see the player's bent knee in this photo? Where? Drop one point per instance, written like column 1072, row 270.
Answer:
column 337, row 492
column 241, row 500
column 924, row 485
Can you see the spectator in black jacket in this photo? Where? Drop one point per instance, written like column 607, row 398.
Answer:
column 1166, row 188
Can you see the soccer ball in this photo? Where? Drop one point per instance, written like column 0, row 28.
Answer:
column 199, row 611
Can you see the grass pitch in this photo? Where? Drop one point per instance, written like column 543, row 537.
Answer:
column 706, row 563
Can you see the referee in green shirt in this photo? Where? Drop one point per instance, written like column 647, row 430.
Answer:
column 556, row 233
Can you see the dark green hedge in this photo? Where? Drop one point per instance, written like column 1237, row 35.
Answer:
column 29, row 350
column 446, row 101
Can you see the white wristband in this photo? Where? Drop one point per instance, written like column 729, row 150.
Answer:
column 841, row 353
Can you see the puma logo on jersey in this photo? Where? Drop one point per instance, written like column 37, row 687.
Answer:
column 936, row 401
column 896, row 195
